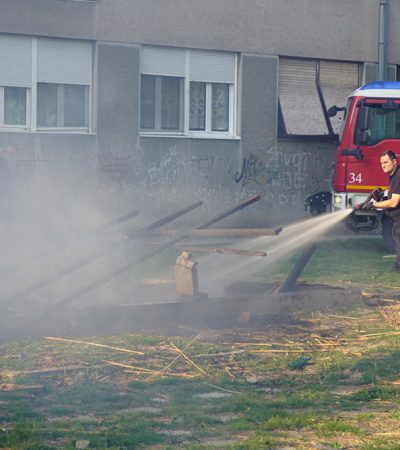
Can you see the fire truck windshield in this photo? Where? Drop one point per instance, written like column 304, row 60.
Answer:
column 376, row 122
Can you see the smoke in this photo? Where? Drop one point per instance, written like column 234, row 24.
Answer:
column 57, row 251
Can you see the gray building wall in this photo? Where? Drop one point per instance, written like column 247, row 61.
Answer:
column 116, row 169
column 331, row 29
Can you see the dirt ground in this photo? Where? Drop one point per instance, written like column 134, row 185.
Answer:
column 252, row 305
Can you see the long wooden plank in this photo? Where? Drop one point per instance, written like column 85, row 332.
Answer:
column 230, row 211
column 118, row 220
column 228, row 232
column 221, row 250
column 167, row 219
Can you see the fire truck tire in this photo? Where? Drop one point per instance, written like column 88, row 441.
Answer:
column 387, row 234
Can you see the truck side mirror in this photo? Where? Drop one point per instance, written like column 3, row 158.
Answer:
column 333, row 110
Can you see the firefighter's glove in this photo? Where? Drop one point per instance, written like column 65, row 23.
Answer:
column 377, row 194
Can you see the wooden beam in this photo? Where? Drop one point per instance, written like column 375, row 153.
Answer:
column 222, row 250
column 228, row 232
column 118, row 220
column 229, row 212
column 290, row 281
column 163, row 221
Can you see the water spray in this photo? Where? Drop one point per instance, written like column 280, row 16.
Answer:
column 292, row 238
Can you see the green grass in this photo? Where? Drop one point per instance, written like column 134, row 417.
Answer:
column 354, row 261
column 340, row 398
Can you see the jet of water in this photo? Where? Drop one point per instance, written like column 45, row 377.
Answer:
column 289, row 240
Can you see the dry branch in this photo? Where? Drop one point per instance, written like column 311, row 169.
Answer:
column 179, row 355
column 7, row 387
column 148, row 371
column 94, row 344
column 189, row 360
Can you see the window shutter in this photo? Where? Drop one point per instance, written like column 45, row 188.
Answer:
column 338, row 80
column 163, row 61
column 64, row 61
column 213, row 67
column 15, row 61
column 299, row 99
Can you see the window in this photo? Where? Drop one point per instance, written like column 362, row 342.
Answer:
column 383, row 120
column 187, row 92
column 14, row 100
column 63, row 84
column 45, row 83
column 209, row 107
column 161, row 107
column 15, row 80
column 60, row 105
column 302, row 83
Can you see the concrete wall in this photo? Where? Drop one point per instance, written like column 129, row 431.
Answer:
column 331, row 29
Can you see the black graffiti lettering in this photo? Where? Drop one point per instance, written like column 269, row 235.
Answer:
column 251, row 170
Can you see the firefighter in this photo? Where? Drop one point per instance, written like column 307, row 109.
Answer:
column 391, row 206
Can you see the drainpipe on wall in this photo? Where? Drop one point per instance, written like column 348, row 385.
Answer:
column 383, row 39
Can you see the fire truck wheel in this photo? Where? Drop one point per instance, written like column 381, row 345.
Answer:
column 387, row 234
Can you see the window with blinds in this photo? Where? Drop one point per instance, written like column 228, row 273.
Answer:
column 187, row 92
column 45, row 78
column 301, row 110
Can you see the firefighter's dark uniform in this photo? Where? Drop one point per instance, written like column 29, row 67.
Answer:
column 394, row 213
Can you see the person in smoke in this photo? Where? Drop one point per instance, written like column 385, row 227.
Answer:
column 391, row 206
column 6, row 187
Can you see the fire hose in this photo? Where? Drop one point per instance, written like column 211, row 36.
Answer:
column 376, row 195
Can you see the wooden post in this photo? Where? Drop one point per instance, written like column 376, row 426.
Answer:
column 290, row 281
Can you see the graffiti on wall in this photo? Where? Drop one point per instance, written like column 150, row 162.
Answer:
column 256, row 171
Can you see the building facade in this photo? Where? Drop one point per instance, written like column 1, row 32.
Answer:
column 157, row 104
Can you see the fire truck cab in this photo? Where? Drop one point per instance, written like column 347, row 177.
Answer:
column 371, row 125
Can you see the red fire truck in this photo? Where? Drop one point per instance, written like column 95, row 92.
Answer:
column 371, row 125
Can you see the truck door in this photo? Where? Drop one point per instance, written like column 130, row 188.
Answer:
column 376, row 130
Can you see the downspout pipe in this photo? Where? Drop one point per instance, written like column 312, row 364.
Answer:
column 383, row 39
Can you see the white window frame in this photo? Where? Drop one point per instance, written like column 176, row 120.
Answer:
column 208, row 133
column 10, row 127
column 158, row 104
column 60, row 113
column 31, row 100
